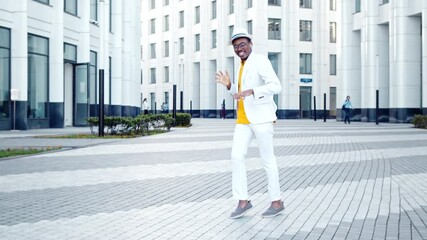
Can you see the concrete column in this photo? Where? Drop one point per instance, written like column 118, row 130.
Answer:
column 290, row 61
column 424, row 60
column 116, row 77
column 370, row 59
column 127, row 48
column 83, row 49
column 19, row 62
column 405, row 81
column 56, row 68
column 321, row 42
column 349, row 57
column 19, row 50
column 56, row 43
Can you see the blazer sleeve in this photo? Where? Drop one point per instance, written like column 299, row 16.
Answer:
column 266, row 72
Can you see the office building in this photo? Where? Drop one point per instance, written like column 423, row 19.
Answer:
column 51, row 54
column 383, row 47
column 186, row 42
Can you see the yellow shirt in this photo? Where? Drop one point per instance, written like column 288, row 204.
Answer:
column 241, row 115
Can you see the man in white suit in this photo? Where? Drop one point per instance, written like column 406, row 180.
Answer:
column 256, row 113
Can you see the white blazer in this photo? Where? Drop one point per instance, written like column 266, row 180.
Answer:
column 259, row 75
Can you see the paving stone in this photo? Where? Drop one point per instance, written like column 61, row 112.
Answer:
column 362, row 181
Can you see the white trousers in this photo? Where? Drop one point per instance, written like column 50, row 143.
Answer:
column 243, row 134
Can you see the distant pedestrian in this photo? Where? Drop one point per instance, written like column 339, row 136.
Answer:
column 145, row 106
column 223, row 109
column 346, row 106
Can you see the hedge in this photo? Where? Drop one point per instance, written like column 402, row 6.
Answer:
column 420, row 121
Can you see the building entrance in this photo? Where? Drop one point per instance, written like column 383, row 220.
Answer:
column 305, row 102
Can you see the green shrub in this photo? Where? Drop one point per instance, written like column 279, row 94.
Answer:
column 182, row 119
column 139, row 125
column 420, row 121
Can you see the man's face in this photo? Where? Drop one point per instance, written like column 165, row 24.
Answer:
column 242, row 48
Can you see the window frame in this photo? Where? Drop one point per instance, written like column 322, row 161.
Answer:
column 75, row 7
column 31, row 77
column 274, row 29
column 306, row 34
column 306, row 63
column 6, row 102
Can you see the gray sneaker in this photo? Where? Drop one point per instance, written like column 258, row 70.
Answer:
column 239, row 212
column 272, row 211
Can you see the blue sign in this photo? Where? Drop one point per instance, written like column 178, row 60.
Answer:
column 306, row 80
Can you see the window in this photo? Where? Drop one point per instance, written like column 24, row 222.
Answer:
column 4, row 72
column 214, row 40
column 274, row 2
column 274, row 59
column 230, row 31
column 305, row 3
column 231, row 7
column 165, row 2
column 357, row 6
column 167, row 99
column 152, row 75
column 166, row 48
column 197, row 15
column 181, row 19
column 153, row 26
column 38, row 76
column 333, row 64
column 385, row 1
column 70, row 52
column 213, row 9
column 94, row 10
column 153, row 101
column 152, row 50
column 333, row 32
column 273, row 28
column 153, row 4
column 70, row 6
column 250, row 4
column 43, row 1
column 333, row 5
column 305, row 63
column 249, row 23
column 166, row 24
column 93, row 99
column 181, row 46
column 166, row 74
column 304, row 30
column 197, row 42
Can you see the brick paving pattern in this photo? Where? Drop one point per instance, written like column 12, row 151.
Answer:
column 339, row 181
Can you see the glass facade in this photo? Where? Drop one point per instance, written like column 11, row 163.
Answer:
column 4, row 72
column 38, row 77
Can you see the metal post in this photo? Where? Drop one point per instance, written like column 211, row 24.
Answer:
column 315, row 112
column 174, row 103
column 324, row 107
column 377, row 106
column 191, row 108
column 101, row 103
column 181, row 95
column 14, row 115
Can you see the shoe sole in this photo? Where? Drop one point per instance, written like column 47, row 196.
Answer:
column 240, row 215
column 273, row 215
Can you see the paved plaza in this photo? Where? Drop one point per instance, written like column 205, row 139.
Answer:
column 338, row 181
